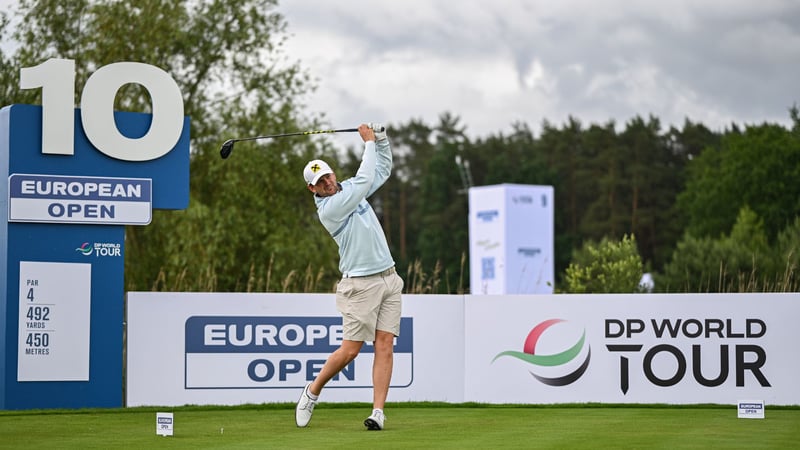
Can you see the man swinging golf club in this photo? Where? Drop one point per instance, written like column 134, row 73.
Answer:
column 368, row 295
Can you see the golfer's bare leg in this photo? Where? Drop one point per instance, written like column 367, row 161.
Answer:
column 382, row 367
column 337, row 361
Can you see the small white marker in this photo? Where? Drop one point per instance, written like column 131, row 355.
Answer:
column 751, row 409
column 164, row 423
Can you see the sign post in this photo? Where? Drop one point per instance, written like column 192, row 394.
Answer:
column 68, row 196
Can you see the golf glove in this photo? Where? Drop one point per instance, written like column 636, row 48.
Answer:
column 379, row 129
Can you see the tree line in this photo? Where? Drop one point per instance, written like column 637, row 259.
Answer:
column 669, row 187
column 704, row 205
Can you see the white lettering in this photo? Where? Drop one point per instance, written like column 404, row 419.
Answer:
column 75, row 189
column 214, row 335
column 28, row 187
column 246, row 339
column 286, row 330
column 134, row 190
column 336, row 335
column 56, row 78
column 315, row 331
column 268, row 335
column 60, row 188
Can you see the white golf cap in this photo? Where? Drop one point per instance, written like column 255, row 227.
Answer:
column 315, row 170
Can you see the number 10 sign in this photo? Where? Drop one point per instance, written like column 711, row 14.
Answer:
column 76, row 178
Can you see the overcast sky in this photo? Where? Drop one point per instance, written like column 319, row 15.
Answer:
column 496, row 62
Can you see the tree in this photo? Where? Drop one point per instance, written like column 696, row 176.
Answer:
column 227, row 60
column 683, row 145
column 605, row 267
column 443, row 238
column 759, row 167
column 603, row 162
column 655, row 178
column 574, row 186
column 787, row 258
column 741, row 261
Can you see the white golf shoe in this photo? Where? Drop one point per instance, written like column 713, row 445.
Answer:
column 304, row 409
column 375, row 421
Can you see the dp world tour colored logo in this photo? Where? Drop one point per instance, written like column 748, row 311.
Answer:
column 555, row 369
column 86, row 249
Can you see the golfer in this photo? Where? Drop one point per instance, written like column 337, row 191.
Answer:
column 368, row 295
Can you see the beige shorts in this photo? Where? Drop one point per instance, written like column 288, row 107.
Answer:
column 368, row 304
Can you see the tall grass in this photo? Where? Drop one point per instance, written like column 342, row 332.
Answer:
column 436, row 280
column 418, row 280
column 749, row 281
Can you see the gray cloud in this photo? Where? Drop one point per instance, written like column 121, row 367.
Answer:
column 492, row 63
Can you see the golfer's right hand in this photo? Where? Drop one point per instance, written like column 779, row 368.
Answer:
column 366, row 132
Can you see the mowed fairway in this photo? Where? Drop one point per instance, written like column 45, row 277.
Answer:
column 408, row 426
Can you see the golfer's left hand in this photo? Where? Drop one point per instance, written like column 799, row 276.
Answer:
column 366, row 132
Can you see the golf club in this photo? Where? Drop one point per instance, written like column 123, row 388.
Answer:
column 227, row 146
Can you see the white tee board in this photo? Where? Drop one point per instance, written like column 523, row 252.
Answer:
column 54, row 321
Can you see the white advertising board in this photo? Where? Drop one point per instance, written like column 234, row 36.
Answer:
column 256, row 348
column 187, row 348
column 632, row 348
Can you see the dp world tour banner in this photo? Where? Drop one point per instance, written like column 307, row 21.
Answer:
column 650, row 348
column 647, row 348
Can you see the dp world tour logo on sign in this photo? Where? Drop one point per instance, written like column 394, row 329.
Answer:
column 558, row 355
column 100, row 249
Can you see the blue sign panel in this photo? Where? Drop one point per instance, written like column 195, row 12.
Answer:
column 280, row 352
column 170, row 173
column 62, row 238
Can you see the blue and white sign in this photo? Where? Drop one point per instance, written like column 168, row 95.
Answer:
column 76, row 178
column 280, row 352
column 750, row 409
column 164, row 424
column 71, row 199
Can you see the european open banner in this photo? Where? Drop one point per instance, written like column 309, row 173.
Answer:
column 186, row 348
column 235, row 348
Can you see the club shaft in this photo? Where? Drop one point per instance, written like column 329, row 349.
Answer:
column 297, row 133
column 227, row 146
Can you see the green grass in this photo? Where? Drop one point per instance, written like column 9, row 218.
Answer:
column 416, row 425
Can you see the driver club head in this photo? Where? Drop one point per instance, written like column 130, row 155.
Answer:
column 227, row 148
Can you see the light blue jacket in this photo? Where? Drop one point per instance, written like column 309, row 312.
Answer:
column 349, row 218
